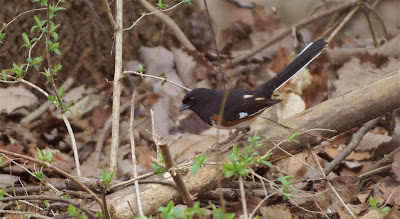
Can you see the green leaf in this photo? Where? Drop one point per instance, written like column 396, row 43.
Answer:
column 2, row 192
column 384, row 210
column 26, row 38
column 4, row 73
column 37, row 20
column 48, row 155
column 57, row 68
column 39, row 175
column 199, row 160
column 46, row 203
column 188, row 2
column 73, row 212
column 39, row 154
column 68, row 105
column 106, row 177
column 99, row 214
column 293, row 137
column 4, row 24
column 2, row 35
column 160, row 5
column 54, row 35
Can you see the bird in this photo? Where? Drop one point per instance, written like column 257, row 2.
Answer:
column 243, row 106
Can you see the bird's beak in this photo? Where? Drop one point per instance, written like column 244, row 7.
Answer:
column 183, row 107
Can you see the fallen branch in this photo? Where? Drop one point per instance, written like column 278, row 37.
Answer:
column 341, row 114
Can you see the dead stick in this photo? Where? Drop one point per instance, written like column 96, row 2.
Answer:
column 180, row 184
column 341, row 114
column 355, row 141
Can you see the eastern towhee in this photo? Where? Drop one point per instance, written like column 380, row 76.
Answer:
column 243, row 106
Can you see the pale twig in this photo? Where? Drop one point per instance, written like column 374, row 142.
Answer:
column 133, row 154
column 170, row 23
column 129, row 182
column 25, row 12
column 151, row 13
column 109, row 14
column 355, row 140
column 288, row 30
column 30, row 173
column 215, row 44
column 39, row 111
column 157, row 77
column 372, row 172
column 59, row 171
column 34, row 86
column 343, row 23
column 118, row 32
column 73, row 142
column 243, row 197
column 25, row 214
column 49, row 198
column 333, row 188
column 153, row 134
column 371, row 28
column 67, row 124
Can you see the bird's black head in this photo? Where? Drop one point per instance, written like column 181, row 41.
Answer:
column 196, row 98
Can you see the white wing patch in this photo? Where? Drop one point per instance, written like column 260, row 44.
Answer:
column 243, row 115
column 248, row 96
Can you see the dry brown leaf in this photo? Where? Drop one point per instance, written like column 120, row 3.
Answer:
column 396, row 165
column 343, row 214
column 363, row 196
column 394, row 213
column 390, row 188
column 354, row 74
column 334, row 152
column 295, row 166
column 14, row 97
column 276, row 212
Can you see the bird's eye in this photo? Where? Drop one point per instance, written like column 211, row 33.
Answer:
column 191, row 98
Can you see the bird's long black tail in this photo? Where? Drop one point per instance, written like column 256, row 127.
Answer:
column 302, row 60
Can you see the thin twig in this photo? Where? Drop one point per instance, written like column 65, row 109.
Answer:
column 73, row 142
column 371, row 28
column 39, row 111
column 384, row 169
column 215, row 44
column 58, row 170
column 243, row 197
column 24, row 214
column 118, row 32
column 157, row 77
column 109, row 14
column 170, row 23
column 103, row 134
column 129, row 182
column 154, row 136
column 288, row 30
column 19, row 15
column 133, row 154
column 343, row 23
column 151, row 13
column 331, row 186
column 46, row 197
column 30, row 173
column 355, row 140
